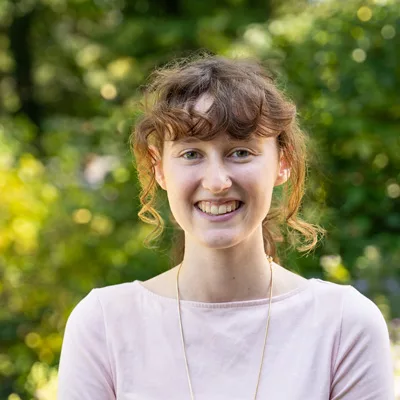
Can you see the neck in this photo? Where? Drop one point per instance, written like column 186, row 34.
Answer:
column 223, row 275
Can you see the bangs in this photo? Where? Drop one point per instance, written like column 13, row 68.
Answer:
column 238, row 108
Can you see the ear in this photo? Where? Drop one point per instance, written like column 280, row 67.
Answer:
column 283, row 172
column 157, row 163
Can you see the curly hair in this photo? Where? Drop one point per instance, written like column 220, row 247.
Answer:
column 246, row 101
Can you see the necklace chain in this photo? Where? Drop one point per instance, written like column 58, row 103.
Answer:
column 183, row 338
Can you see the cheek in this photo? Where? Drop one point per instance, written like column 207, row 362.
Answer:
column 256, row 176
column 257, row 183
column 180, row 187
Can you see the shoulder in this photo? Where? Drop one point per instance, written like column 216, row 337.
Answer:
column 92, row 309
column 329, row 289
column 354, row 306
column 355, row 311
column 361, row 317
column 115, row 294
column 362, row 364
column 328, row 296
column 87, row 362
column 361, row 326
column 345, row 297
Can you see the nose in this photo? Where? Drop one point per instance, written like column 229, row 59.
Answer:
column 216, row 178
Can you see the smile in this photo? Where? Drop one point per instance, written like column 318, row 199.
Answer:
column 218, row 209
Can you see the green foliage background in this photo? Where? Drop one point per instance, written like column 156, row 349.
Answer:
column 70, row 77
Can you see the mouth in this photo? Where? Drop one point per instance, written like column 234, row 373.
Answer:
column 217, row 210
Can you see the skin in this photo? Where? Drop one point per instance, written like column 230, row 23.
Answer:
column 223, row 261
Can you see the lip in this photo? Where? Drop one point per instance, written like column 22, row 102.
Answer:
column 219, row 201
column 219, row 218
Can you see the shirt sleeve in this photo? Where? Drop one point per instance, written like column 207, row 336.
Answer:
column 84, row 371
column 363, row 368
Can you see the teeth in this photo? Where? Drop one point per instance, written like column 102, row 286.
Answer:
column 222, row 209
column 214, row 209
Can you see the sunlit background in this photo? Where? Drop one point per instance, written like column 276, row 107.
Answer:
column 70, row 77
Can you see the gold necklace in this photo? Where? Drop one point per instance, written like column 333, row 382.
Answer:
column 183, row 340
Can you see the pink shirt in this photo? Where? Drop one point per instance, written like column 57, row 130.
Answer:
column 325, row 342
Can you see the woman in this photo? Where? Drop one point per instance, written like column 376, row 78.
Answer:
column 227, row 322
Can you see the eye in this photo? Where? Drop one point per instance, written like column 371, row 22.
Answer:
column 241, row 153
column 190, row 155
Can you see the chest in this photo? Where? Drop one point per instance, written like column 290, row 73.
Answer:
column 224, row 354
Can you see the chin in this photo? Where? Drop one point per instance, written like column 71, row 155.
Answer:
column 219, row 242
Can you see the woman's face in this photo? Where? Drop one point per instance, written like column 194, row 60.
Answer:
column 220, row 191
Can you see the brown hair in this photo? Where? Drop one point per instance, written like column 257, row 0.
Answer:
column 246, row 101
